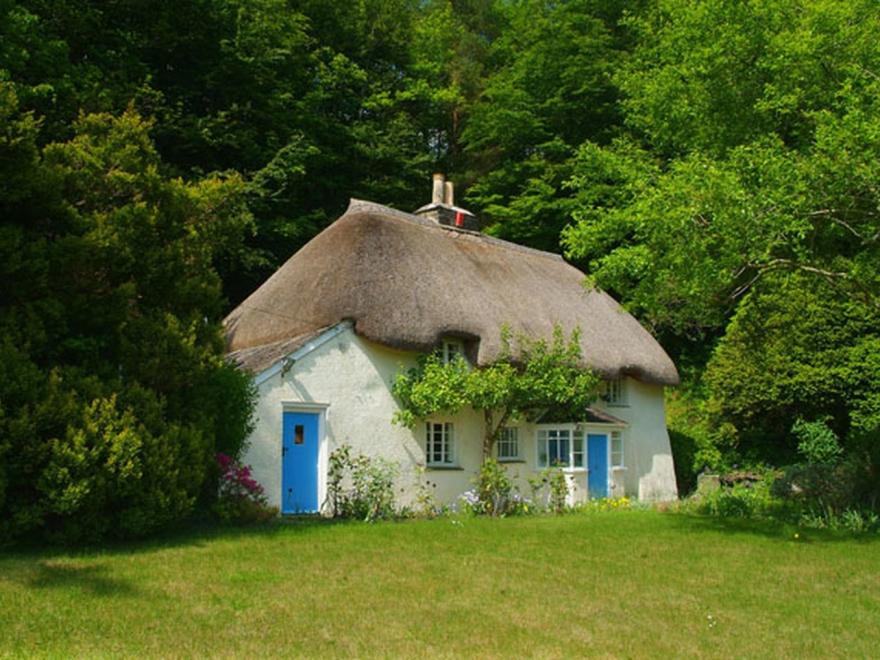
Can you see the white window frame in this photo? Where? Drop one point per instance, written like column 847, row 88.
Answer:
column 447, row 442
column 616, row 435
column 450, row 348
column 514, row 440
column 614, row 392
column 573, row 430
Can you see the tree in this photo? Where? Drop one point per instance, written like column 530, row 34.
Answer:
column 796, row 350
column 114, row 392
column 525, row 380
column 753, row 149
column 745, row 180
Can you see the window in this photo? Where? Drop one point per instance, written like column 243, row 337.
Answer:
column 614, row 392
column 450, row 350
column 508, row 444
column 439, row 444
column 616, row 449
column 560, row 448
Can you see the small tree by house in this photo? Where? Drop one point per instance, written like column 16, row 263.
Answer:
column 529, row 376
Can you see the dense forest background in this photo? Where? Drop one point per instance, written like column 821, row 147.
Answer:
column 715, row 165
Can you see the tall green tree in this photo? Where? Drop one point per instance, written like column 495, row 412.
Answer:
column 114, row 393
column 746, row 173
column 548, row 88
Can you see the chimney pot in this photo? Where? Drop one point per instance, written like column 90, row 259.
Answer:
column 442, row 208
column 437, row 193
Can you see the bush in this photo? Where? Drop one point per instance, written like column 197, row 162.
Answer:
column 83, row 470
column 495, row 489
column 851, row 520
column 550, row 486
column 240, row 499
column 817, row 443
column 114, row 389
column 743, row 500
column 360, row 487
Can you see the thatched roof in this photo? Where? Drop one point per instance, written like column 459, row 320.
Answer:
column 407, row 282
column 257, row 358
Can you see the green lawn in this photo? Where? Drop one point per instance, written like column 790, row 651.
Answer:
column 606, row 584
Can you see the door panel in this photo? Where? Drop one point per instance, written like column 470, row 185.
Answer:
column 597, row 463
column 299, row 463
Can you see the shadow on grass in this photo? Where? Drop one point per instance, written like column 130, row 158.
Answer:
column 771, row 529
column 194, row 534
column 91, row 578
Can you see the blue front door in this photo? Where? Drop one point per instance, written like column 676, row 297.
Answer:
column 299, row 463
column 597, row 463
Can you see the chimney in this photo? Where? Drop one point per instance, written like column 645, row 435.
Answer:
column 439, row 192
column 442, row 208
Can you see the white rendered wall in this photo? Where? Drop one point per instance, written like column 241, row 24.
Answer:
column 649, row 473
column 348, row 381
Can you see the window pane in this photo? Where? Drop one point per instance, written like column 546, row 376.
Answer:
column 616, row 449
column 507, row 443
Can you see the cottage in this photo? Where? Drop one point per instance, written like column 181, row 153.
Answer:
column 325, row 336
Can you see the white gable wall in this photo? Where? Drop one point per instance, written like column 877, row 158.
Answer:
column 349, row 380
column 649, row 473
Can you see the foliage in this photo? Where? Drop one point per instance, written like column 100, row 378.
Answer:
column 360, row 487
column 547, row 88
column 818, row 444
column 240, row 499
column 532, row 376
column 740, row 501
column 426, row 505
column 798, row 351
column 550, row 486
column 604, row 504
column 495, row 493
column 739, row 203
column 851, row 520
column 114, row 392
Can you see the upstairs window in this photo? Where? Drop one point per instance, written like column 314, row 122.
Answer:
column 450, row 349
column 507, row 446
column 439, row 444
column 614, row 392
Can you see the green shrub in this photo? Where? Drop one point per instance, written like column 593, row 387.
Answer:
column 817, row 442
column 684, row 449
column 550, row 487
column 240, row 499
column 495, row 489
column 851, row 520
column 738, row 501
column 359, row 486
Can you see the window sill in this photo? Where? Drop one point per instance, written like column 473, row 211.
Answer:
column 443, row 467
column 511, row 460
column 618, row 468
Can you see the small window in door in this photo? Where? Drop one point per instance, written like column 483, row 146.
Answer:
column 298, row 434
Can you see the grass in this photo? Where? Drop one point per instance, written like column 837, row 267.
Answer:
column 632, row 583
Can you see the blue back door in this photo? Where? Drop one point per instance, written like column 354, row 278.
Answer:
column 597, row 463
column 299, row 463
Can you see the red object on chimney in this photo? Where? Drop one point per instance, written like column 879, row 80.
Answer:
column 459, row 219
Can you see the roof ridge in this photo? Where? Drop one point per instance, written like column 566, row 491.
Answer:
column 366, row 206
